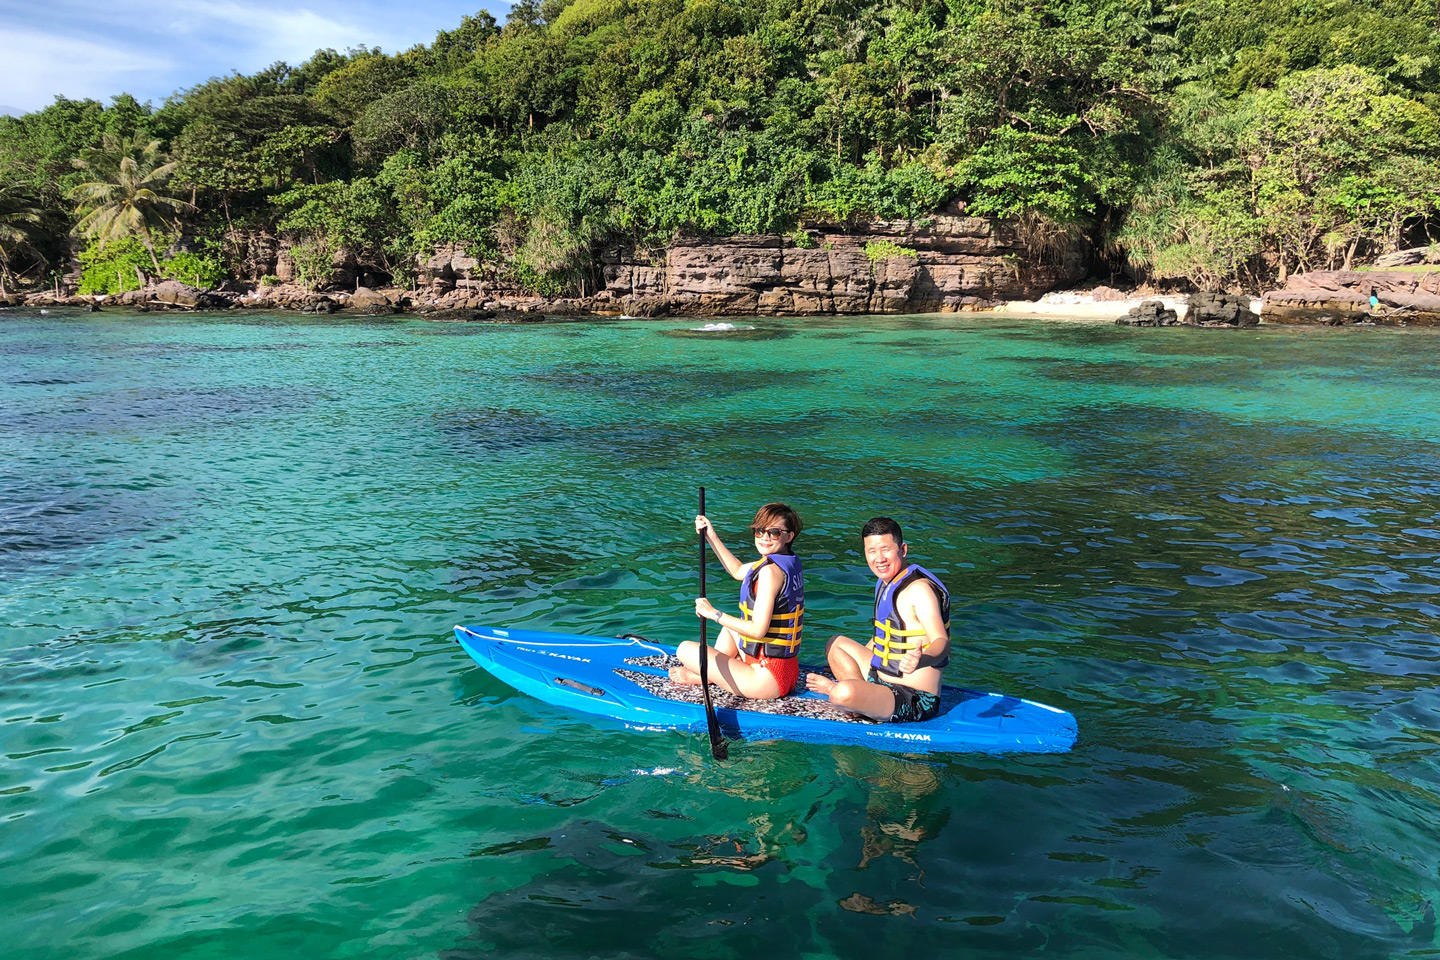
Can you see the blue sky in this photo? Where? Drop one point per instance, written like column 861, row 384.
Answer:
column 152, row 48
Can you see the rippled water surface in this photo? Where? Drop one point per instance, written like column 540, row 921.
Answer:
column 234, row 723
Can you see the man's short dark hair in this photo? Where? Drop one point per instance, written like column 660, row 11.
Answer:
column 881, row 526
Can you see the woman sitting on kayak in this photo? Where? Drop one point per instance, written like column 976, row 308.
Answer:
column 756, row 653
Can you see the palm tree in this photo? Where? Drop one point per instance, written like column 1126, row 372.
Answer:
column 19, row 216
column 128, row 196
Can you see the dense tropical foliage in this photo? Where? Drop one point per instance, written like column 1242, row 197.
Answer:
column 20, row 219
column 1213, row 142
column 125, row 195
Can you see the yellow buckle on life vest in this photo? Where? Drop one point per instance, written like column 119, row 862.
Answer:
column 886, row 647
column 787, row 635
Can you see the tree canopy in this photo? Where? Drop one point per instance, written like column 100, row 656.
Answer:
column 1212, row 142
column 126, row 194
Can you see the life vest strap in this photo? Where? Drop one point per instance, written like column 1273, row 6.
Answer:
column 888, row 649
column 887, row 631
column 780, row 636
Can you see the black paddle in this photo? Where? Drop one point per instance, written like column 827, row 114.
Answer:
column 718, row 747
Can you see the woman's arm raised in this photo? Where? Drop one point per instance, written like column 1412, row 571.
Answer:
column 732, row 563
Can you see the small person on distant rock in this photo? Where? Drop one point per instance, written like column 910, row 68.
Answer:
column 1374, row 301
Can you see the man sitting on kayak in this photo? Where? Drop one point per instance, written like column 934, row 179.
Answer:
column 896, row 677
column 755, row 654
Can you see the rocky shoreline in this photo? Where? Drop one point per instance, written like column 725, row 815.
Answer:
column 946, row 264
column 1343, row 297
column 172, row 296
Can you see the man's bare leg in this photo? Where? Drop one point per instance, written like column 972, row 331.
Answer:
column 850, row 662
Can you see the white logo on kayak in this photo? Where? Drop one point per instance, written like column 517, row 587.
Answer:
column 560, row 656
column 904, row 736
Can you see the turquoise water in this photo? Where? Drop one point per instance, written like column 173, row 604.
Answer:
column 234, row 723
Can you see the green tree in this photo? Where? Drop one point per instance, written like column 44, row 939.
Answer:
column 360, row 218
column 366, row 78
column 128, row 193
column 37, row 149
column 216, row 161
column 20, row 218
column 414, row 117
column 1323, row 150
column 296, row 154
column 453, row 49
column 128, row 117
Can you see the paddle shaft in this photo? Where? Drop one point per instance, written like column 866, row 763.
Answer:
column 718, row 748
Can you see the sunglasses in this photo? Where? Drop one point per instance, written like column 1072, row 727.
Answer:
column 774, row 533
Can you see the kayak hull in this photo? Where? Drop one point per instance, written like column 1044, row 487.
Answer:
column 625, row 679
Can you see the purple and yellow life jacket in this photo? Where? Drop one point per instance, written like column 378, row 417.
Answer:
column 782, row 640
column 892, row 640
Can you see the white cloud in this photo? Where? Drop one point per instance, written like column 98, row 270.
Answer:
column 288, row 34
column 157, row 47
column 255, row 32
column 38, row 66
column 151, row 48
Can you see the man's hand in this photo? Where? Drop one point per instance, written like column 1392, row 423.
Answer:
column 911, row 661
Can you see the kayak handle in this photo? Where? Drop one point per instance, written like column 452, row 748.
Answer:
column 582, row 687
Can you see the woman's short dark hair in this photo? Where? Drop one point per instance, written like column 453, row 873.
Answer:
column 881, row 526
column 773, row 513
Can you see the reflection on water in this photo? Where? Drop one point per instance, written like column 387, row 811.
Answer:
column 594, row 885
column 233, row 721
column 905, row 808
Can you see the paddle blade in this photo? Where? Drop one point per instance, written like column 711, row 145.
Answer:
column 719, row 746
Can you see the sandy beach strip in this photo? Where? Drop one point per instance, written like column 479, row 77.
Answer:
column 1084, row 306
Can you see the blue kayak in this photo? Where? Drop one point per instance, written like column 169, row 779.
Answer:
column 626, row 679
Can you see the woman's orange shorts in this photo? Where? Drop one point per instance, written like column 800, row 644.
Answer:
column 785, row 670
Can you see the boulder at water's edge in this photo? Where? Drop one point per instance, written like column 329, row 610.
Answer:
column 1339, row 297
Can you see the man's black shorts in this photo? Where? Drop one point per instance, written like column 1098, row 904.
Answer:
column 911, row 705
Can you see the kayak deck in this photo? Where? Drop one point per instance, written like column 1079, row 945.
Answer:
column 800, row 703
column 627, row 679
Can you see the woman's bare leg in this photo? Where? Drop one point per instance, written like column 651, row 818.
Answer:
column 745, row 678
column 687, row 653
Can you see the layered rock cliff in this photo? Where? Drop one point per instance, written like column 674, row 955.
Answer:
column 946, row 263
column 942, row 264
